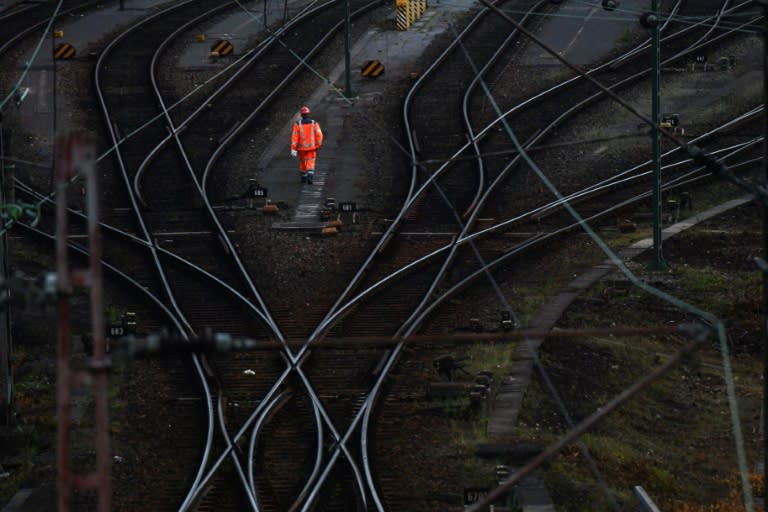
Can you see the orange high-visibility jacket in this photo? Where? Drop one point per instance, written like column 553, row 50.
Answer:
column 307, row 135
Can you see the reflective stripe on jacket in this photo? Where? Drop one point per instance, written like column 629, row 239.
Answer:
column 306, row 135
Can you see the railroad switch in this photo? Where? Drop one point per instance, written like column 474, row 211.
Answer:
column 329, row 231
column 270, row 208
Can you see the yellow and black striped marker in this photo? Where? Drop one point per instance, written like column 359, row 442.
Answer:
column 372, row 68
column 221, row 48
column 63, row 51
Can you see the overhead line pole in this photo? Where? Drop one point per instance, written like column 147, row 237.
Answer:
column 764, row 326
column 651, row 21
column 658, row 256
column 6, row 348
column 347, row 58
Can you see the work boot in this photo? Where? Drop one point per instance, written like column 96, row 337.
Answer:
column 304, row 178
column 310, row 175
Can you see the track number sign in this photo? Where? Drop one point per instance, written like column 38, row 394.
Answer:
column 115, row 331
column 257, row 191
column 474, row 494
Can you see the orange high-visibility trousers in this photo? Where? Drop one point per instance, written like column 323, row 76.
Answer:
column 307, row 160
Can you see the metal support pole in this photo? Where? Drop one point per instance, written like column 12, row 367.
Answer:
column 100, row 361
column 658, row 256
column 764, row 4
column 63, row 168
column 75, row 155
column 6, row 347
column 53, row 102
column 347, row 64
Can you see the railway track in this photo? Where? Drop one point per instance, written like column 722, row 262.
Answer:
column 310, row 427
column 23, row 19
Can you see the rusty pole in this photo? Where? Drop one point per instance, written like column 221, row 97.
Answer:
column 75, row 155
column 63, row 377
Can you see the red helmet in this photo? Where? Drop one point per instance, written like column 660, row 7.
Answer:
column 304, row 110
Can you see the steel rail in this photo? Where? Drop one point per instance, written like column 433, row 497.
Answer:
column 171, row 315
column 487, row 130
column 262, row 311
column 294, row 358
column 202, row 188
column 259, row 108
column 158, row 266
column 601, row 67
column 9, row 11
column 249, row 491
column 468, row 98
column 526, row 244
column 646, row 45
column 208, row 474
column 414, row 193
column 29, row 30
column 393, row 357
column 460, row 240
column 137, row 286
column 176, row 130
column 247, row 60
column 275, row 403
column 161, row 250
column 543, row 237
column 414, row 322
column 577, row 107
column 631, row 173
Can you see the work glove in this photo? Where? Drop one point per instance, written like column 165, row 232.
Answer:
column 294, row 153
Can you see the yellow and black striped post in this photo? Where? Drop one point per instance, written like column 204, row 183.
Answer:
column 221, row 48
column 63, row 51
column 372, row 69
column 407, row 12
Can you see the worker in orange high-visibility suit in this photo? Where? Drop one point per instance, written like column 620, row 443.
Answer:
column 306, row 139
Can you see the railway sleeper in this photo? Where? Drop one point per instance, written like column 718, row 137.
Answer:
column 444, row 390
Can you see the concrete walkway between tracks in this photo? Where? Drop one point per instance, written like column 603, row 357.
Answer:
column 502, row 421
column 340, row 172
